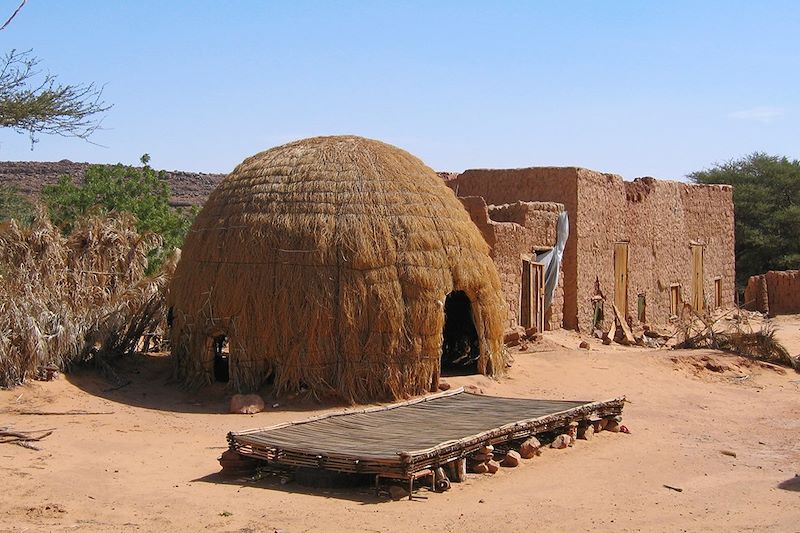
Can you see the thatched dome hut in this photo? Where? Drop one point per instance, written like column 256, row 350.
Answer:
column 332, row 264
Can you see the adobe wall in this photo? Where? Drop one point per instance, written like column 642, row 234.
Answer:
column 756, row 294
column 776, row 292
column 512, row 231
column 542, row 184
column 659, row 219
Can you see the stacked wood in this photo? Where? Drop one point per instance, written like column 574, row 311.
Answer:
column 619, row 320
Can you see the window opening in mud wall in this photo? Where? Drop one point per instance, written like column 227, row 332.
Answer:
column 460, row 344
column 641, row 308
column 717, row 293
column 698, row 298
column 531, row 313
column 674, row 299
column 221, row 359
column 621, row 277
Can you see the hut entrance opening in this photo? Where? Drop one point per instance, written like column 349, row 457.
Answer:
column 460, row 344
column 221, row 359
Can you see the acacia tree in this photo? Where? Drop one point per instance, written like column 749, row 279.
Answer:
column 34, row 103
column 766, row 199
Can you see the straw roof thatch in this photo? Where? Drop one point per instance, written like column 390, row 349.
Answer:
column 326, row 263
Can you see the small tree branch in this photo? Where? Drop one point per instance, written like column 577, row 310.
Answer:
column 46, row 107
column 14, row 14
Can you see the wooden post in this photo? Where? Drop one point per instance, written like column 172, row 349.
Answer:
column 461, row 470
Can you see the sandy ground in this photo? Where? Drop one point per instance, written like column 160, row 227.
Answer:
column 149, row 464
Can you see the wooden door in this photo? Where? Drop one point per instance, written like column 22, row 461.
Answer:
column 538, row 291
column 698, row 298
column 621, row 277
column 531, row 313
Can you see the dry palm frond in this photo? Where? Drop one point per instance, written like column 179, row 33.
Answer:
column 761, row 345
column 326, row 262
column 738, row 337
column 64, row 298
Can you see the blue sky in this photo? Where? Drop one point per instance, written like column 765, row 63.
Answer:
column 631, row 87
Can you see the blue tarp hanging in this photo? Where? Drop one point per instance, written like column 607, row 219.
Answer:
column 552, row 258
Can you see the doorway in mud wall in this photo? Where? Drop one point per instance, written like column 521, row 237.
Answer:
column 698, row 297
column 460, row 345
column 219, row 345
column 621, row 277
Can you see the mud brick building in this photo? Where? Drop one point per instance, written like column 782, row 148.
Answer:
column 516, row 233
column 774, row 293
column 648, row 246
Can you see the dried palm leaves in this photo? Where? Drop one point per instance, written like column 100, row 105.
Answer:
column 65, row 299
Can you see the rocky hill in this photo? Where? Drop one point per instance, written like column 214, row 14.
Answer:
column 188, row 188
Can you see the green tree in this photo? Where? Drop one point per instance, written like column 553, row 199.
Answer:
column 766, row 198
column 33, row 103
column 140, row 191
column 14, row 205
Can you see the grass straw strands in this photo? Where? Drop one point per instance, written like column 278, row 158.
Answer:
column 326, row 263
column 65, row 299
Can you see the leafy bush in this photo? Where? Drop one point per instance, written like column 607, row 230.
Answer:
column 140, row 191
column 15, row 206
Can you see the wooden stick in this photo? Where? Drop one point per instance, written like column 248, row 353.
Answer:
column 624, row 324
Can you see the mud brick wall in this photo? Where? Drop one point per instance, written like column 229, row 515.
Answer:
column 776, row 292
column 756, row 295
column 512, row 231
column 659, row 220
column 540, row 184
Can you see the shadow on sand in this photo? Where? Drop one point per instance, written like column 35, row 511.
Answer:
column 792, row 484
column 145, row 380
column 360, row 490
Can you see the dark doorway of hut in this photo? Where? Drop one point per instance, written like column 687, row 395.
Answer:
column 221, row 359
column 460, row 344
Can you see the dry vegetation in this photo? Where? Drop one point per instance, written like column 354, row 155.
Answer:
column 65, row 299
column 733, row 332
